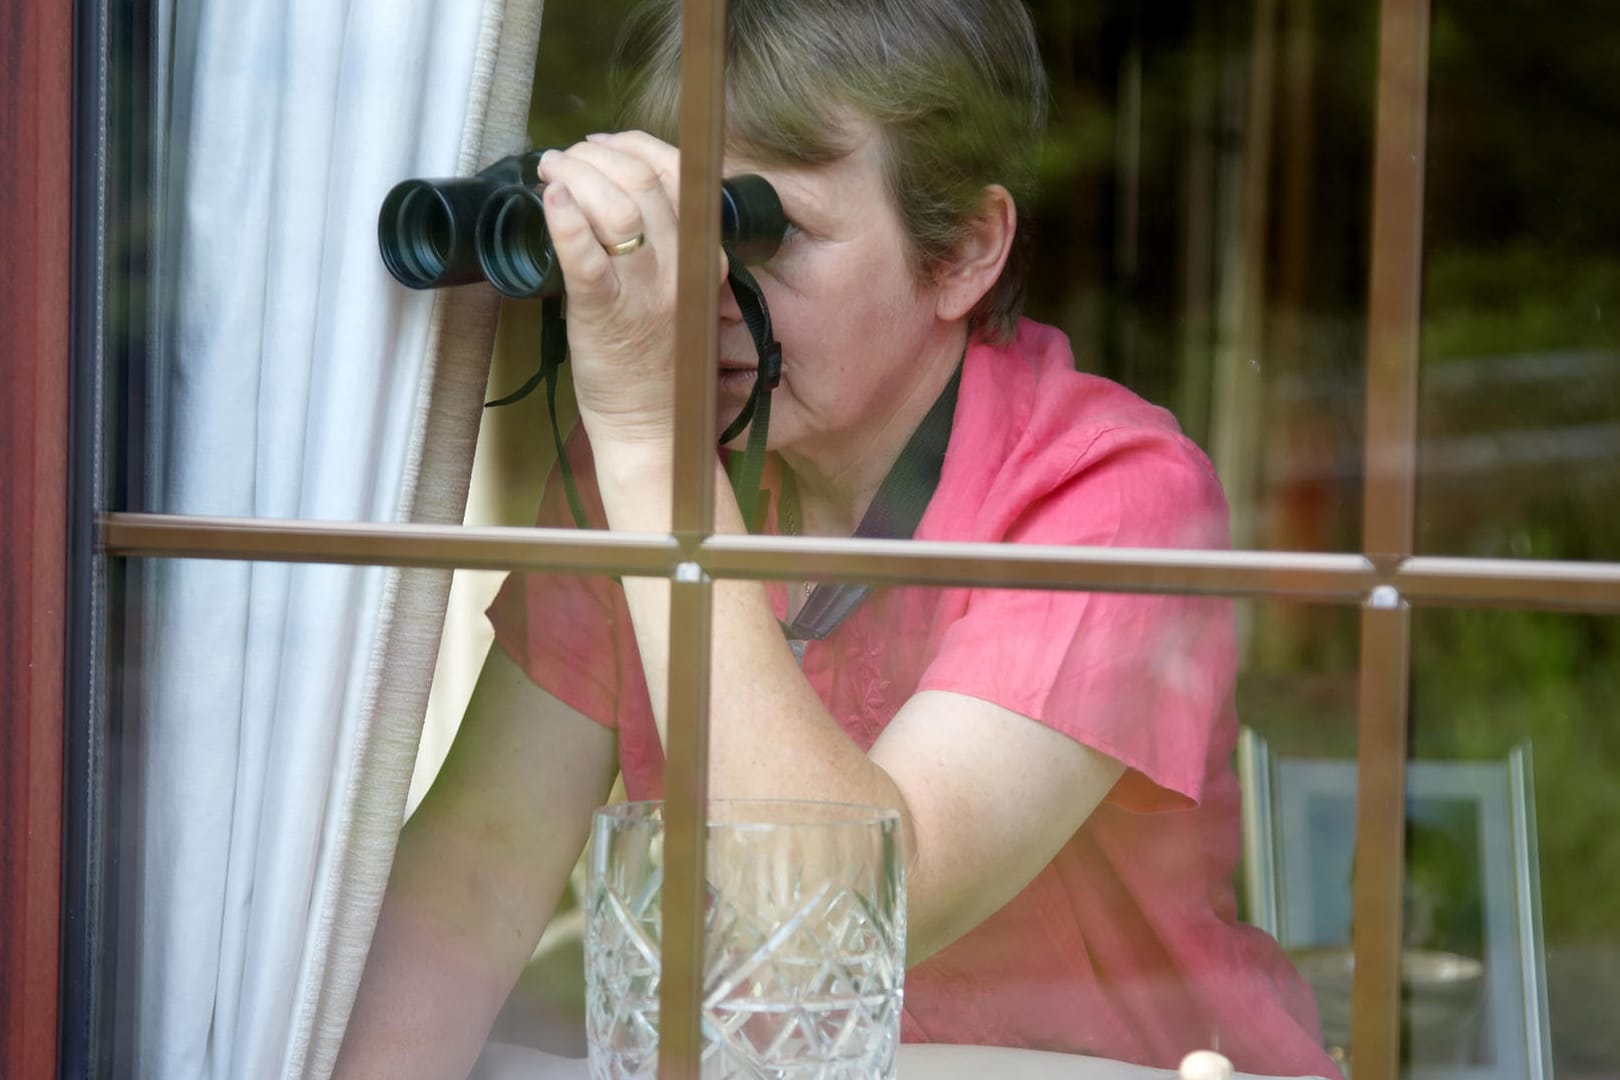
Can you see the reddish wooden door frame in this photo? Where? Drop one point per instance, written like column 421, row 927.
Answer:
column 36, row 81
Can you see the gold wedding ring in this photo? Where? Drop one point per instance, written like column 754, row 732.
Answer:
column 625, row 247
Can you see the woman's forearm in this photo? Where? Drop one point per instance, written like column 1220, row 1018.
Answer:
column 479, row 870
column 945, row 764
column 769, row 735
column 441, row 965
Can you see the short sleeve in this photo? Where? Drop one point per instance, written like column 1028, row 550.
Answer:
column 562, row 629
column 1144, row 679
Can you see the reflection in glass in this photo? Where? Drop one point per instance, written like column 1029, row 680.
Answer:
column 1195, row 241
column 1520, row 454
column 1530, row 892
column 1296, row 764
column 1466, row 963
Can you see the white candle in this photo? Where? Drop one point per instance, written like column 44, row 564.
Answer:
column 1205, row 1065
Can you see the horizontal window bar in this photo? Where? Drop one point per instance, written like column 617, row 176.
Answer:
column 1510, row 583
column 1330, row 578
column 1341, row 578
column 154, row 536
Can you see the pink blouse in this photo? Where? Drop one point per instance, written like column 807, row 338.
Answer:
column 1127, row 944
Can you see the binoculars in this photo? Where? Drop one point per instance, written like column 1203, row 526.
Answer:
column 492, row 227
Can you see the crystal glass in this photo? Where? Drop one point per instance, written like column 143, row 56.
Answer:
column 804, row 941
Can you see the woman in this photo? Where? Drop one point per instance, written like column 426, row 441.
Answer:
column 1059, row 761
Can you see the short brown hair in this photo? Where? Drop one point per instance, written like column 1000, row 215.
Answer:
column 955, row 87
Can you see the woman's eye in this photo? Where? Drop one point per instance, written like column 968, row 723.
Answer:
column 791, row 234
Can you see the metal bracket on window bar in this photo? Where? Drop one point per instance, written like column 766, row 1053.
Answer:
column 1385, row 598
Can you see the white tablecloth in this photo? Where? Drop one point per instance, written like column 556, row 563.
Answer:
column 931, row 1062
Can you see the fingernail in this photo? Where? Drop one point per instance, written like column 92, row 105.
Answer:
column 559, row 195
column 596, row 136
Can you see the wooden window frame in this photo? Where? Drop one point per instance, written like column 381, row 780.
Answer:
column 36, row 102
column 1385, row 580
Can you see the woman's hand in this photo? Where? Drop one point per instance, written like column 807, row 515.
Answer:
column 601, row 195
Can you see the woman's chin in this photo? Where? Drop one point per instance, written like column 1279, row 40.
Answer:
column 733, row 387
column 726, row 411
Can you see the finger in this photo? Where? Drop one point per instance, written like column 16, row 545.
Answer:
column 585, row 265
column 640, row 180
column 614, row 215
column 658, row 155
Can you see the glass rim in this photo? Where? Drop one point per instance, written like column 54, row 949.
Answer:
column 834, row 814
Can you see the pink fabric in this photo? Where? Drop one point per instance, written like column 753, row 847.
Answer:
column 1126, row 946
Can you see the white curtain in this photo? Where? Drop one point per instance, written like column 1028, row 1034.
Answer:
column 290, row 378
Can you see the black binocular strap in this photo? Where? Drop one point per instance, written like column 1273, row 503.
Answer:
column 745, row 469
column 553, row 351
column 896, row 510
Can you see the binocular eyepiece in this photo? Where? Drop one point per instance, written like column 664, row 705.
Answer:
column 492, row 227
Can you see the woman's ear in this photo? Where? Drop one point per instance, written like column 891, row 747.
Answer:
column 979, row 258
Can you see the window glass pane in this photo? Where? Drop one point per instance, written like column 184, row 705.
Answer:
column 267, row 744
column 988, row 751
column 1202, row 232
column 1511, row 858
column 274, row 362
column 1062, row 758
column 1181, row 237
column 538, row 627
column 1183, row 242
column 1296, row 760
column 1521, row 376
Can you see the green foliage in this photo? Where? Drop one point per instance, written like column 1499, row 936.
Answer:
column 1485, row 681
column 571, row 94
column 1520, row 298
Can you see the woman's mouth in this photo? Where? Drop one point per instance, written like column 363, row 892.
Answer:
column 734, row 379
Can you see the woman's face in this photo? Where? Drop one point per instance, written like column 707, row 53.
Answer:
column 859, row 333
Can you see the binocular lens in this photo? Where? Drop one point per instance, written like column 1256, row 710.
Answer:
column 514, row 247
column 751, row 219
column 423, row 236
column 492, row 227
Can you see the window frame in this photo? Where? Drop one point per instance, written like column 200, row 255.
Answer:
column 36, row 170
column 1385, row 579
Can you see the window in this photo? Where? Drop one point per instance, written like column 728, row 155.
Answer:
column 1420, row 467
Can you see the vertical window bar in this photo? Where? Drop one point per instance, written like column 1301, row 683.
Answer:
column 680, row 1043
column 1395, row 288
column 702, row 130
column 1388, row 510
column 1379, row 879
